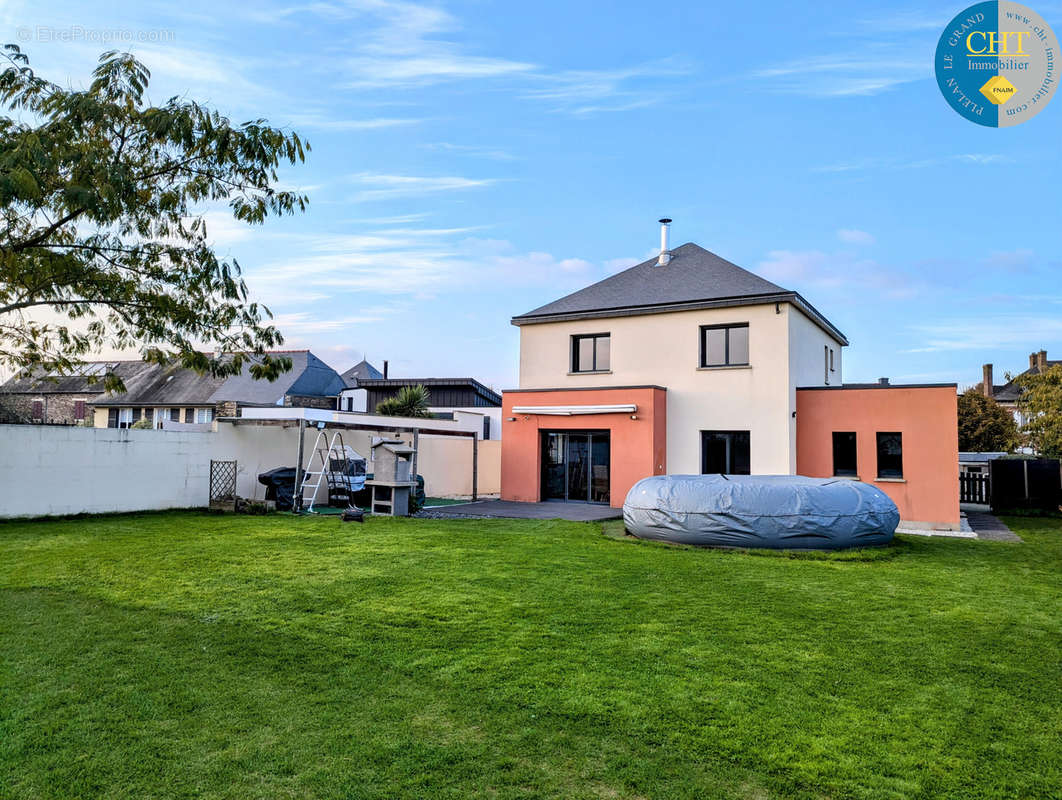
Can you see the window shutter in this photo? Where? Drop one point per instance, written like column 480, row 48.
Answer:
column 79, row 409
column 38, row 409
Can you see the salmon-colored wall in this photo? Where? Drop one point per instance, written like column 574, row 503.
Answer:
column 638, row 446
column 927, row 418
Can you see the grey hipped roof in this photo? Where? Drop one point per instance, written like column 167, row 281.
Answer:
column 694, row 278
column 361, row 371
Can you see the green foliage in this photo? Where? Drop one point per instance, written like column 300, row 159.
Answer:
column 1041, row 402
column 984, row 425
column 101, row 198
column 411, row 401
column 186, row 655
column 142, row 424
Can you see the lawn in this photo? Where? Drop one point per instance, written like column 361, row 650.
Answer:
column 188, row 655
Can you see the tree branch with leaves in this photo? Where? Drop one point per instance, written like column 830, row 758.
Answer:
column 101, row 244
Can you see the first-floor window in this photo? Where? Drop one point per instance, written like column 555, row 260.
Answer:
column 591, row 352
column 175, row 415
column 890, row 455
column 725, row 453
column 725, row 345
column 125, row 417
column 204, row 415
column 844, row 453
column 189, row 415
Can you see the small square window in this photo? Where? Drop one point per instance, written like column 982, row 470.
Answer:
column 591, row 352
column 725, row 345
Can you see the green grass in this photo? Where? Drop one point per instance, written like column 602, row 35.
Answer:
column 188, row 655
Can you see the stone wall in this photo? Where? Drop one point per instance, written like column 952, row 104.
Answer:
column 56, row 409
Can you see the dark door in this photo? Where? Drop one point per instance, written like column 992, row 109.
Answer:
column 725, row 453
column 575, row 466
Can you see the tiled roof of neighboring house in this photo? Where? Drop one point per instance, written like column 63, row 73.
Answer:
column 693, row 278
column 1008, row 392
column 361, row 371
column 492, row 397
column 309, row 376
column 37, row 382
column 150, row 384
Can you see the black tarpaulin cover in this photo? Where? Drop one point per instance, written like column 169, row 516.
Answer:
column 775, row 511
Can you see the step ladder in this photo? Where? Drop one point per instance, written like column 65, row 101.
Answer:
column 326, row 453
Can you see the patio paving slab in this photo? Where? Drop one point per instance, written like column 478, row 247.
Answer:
column 508, row 509
column 990, row 527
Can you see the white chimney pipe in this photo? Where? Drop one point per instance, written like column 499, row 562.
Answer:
column 665, row 246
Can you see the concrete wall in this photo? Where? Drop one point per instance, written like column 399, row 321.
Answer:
column 72, row 470
column 928, row 494
column 664, row 350
column 637, row 447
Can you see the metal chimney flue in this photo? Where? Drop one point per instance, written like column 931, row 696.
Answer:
column 665, row 244
column 385, row 370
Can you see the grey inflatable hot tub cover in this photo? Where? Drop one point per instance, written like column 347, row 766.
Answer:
column 773, row 511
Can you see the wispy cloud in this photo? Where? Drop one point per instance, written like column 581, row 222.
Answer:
column 322, row 122
column 902, row 162
column 855, row 236
column 827, row 270
column 593, row 91
column 988, row 332
column 844, row 74
column 473, row 151
column 377, row 186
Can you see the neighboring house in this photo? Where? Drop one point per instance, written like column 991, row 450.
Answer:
column 367, row 387
column 687, row 363
column 181, row 395
column 353, row 398
column 42, row 398
column 165, row 394
column 446, row 397
column 1007, row 394
column 977, row 463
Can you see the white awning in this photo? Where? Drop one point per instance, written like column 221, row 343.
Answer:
column 571, row 411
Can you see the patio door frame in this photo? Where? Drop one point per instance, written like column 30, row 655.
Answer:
column 590, row 437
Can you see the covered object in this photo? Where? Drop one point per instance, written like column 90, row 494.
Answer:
column 771, row 511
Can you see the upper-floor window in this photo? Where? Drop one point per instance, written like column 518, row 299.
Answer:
column 725, row 345
column 204, row 415
column 890, row 455
column 590, row 352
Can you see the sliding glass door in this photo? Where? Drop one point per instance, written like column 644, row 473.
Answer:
column 575, row 466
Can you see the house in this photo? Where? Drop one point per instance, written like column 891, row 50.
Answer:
column 167, row 394
column 34, row 396
column 354, row 398
column 367, row 387
column 1007, row 394
column 687, row 363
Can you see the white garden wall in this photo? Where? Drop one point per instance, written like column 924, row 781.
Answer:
column 48, row 469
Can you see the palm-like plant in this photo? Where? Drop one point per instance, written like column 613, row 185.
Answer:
column 411, row 401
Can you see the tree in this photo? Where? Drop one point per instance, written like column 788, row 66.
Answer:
column 984, row 425
column 103, row 242
column 411, row 401
column 1040, row 401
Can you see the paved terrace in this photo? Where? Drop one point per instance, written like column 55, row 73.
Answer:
column 573, row 512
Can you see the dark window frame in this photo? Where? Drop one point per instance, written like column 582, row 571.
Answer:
column 727, row 327
column 734, row 437
column 574, row 355
column 889, row 472
column 846, row 472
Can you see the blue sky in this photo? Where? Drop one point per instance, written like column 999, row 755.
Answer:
column 473, row 160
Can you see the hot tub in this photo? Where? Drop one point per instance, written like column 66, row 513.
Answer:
column 788, row 512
